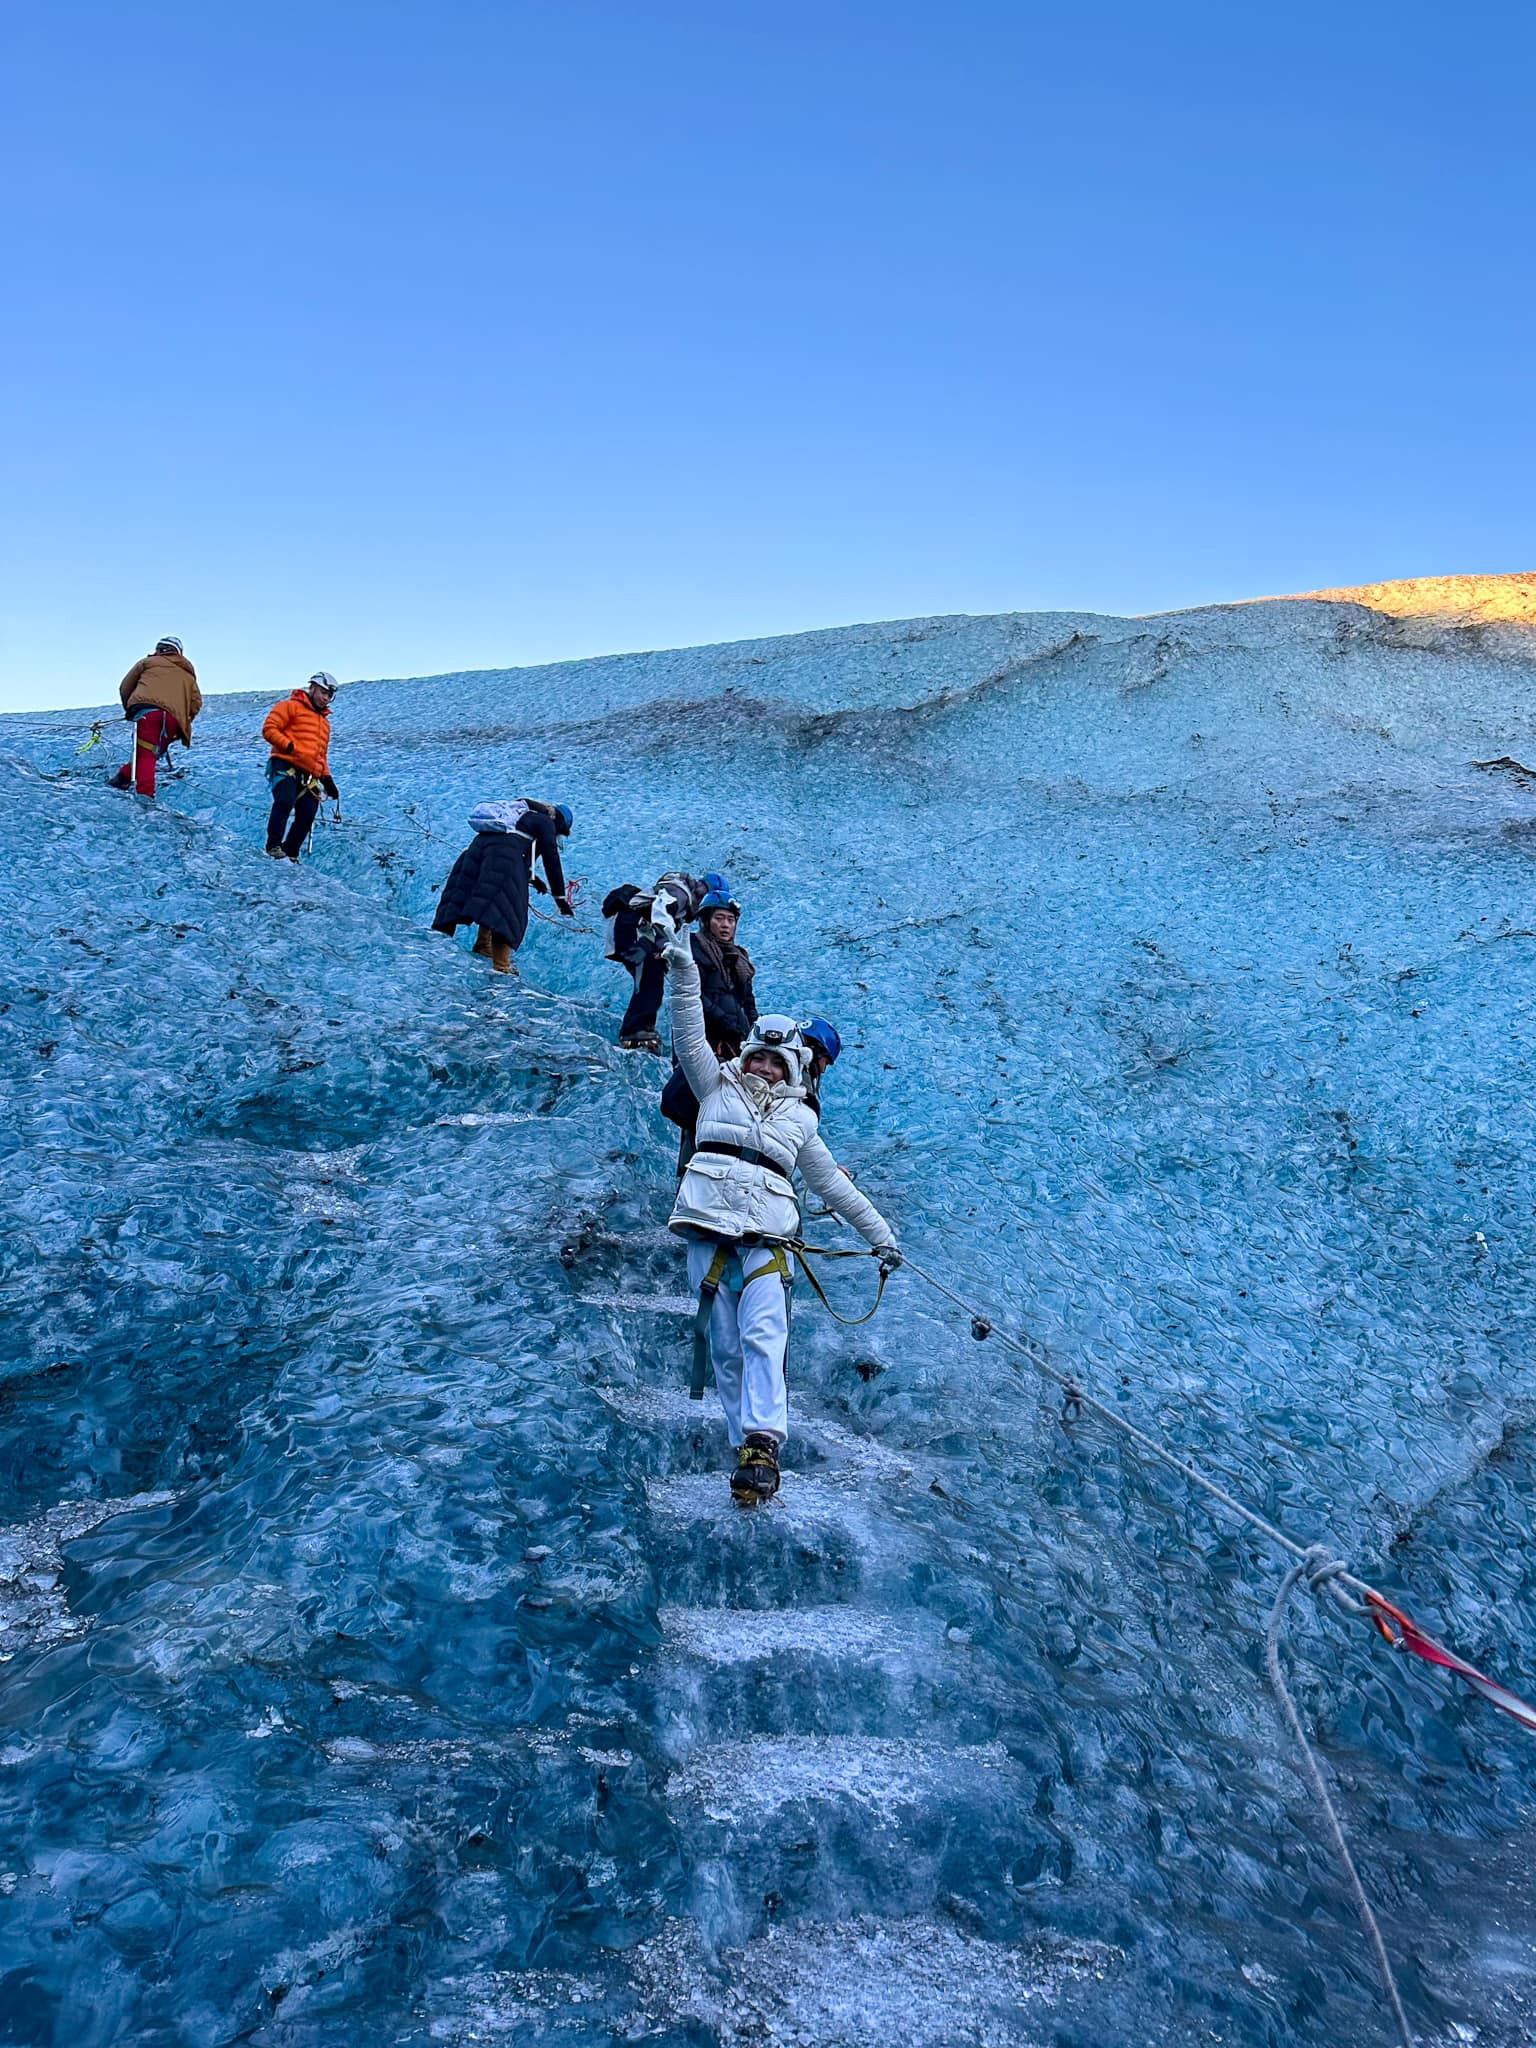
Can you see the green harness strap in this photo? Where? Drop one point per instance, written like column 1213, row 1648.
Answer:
column 826, row 1252
column 777, row 1263
column 702, row 1314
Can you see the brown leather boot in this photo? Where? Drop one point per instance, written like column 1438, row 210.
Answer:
column 482, row 944
column 501, row 955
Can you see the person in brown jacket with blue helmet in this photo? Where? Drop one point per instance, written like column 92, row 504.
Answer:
column 161, row 696
column 298, row 730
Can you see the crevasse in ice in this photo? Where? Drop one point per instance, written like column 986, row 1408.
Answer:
column 385, row 1662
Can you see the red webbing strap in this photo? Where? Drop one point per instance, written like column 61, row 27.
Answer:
column 1404, row 1633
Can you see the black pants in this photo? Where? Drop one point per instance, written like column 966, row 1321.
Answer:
column 290, row 796
column 645, row 1004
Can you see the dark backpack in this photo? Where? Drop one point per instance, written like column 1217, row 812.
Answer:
column 679, row 1104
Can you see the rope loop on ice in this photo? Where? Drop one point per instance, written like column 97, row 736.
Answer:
column 1325, row 1573
column 1321, row 1570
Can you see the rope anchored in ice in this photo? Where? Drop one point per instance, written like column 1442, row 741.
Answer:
column 1322, row 1571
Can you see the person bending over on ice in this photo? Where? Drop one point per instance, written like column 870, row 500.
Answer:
column 491, row 878
column 640, row 955
column 736, row 1208
column 298, row 730
column 161, row 696
column 636, row 944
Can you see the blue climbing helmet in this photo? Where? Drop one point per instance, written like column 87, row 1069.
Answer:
column 563, row 821
column 818, row 1032
column 714, row 885
column 718, row 899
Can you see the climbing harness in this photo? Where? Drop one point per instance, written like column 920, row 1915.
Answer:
column 710, row 1287
column 160, row 747
column 777, row 1263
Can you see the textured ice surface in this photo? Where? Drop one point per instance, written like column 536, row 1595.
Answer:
column 1185, row 969
column 857, row 1983
column 33, row 1610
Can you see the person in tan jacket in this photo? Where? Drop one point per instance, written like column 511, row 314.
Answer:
column 161, row 696
column 298, row 730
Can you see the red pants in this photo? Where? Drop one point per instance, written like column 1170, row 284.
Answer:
column 153, row 732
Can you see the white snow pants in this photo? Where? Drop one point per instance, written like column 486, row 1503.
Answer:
column 748, row 1336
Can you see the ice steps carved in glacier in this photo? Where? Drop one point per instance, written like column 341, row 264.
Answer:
column 882, row 1774
column 863, row 1983
column 813, row 1543
column 822, row 1752
column 830, row 1443
column 642, row 1304
column 803, row 1828
column 805, row 1504
column 848, row 1983
column 748, row 1635
column 813, row 1670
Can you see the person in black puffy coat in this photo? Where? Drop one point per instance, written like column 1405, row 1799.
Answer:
column 726, row 975
column 491, row 878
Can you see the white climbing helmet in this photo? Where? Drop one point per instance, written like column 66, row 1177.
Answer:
column 780, row 1036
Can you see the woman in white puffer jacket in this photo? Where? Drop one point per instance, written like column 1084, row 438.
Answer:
column 737, row 1208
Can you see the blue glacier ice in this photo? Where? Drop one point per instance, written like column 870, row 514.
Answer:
column 384, row 1663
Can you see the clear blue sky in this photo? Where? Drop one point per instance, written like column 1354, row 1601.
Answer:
column 395, row 338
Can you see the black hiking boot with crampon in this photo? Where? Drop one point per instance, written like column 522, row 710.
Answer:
column 756, row 1477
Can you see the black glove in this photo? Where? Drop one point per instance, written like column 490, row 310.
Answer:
column 542, row 887
column 564, row 906
column 330, row 789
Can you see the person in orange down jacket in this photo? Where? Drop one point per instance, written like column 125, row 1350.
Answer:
column 298, row 730
column 161, row 696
